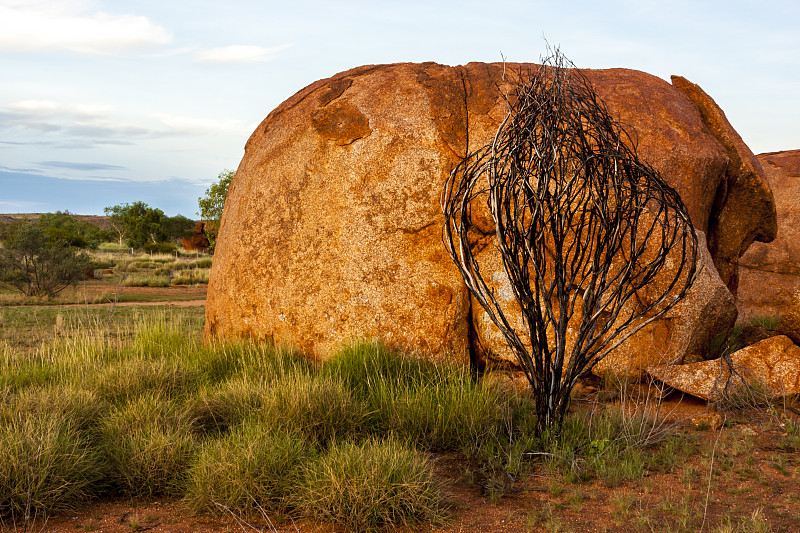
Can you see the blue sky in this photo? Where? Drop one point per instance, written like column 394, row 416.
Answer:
column 104, row 102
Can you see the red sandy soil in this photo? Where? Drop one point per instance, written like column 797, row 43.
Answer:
column 673, row 501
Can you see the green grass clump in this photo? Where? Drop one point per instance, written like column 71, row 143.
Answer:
column 46, row 465
column 364, row 366
column 248, row 472
column 80, row 407
column 148, row 445
column 319, row 407
column 603, row 444
column 437, row 406
column 370, row 484
column 146, row 280
column 215, row 409
column 204, row 262
column 250, row 428
column 128, row 378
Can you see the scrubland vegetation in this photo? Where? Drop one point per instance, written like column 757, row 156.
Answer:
column 132, row 404
column 114, row 269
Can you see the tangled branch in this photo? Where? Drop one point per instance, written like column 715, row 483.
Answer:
column 595, row 244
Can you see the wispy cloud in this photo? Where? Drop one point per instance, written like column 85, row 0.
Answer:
column 182, row 125
column 32, row 192
column 30, row 143
column 79, row 166
column 238, row 54
column 48, row 123
column 17, row 206
column 68, row 25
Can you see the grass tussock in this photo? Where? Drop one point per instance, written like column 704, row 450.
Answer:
column 249, row 471
column 46, row 465
column 320, row 408
column 148, row 446
column 608, row 444
column 370, row 484
column 145, row 280
column 141, row 407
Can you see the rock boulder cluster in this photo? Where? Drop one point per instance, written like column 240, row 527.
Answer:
column 770, row 272
column 332, row 225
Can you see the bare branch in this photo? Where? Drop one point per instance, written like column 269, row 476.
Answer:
column 595, row 244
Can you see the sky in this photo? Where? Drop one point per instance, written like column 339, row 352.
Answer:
column 107, row 102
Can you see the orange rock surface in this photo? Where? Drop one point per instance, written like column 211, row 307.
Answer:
column 744, row 205
column 772, row 366
column 789, row 323
column 770, row 272
column 332, row 225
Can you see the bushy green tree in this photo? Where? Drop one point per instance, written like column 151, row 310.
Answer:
column 64, row 226
column 36, row 264
column 137, row 224
column 177, row 227
column 212, row 203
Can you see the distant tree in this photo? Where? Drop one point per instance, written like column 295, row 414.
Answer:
column 64, row 226
column 36, row 264
column 212, row 203
column 137, row 224
column 177, row 227
column 117, row 220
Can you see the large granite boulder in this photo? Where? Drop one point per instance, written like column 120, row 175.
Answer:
column 332, row 225
column 770, row 273
column 198, row 240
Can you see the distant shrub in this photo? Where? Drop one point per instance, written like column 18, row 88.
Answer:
column 36, row 264
column 160, row 248
column 65, row 227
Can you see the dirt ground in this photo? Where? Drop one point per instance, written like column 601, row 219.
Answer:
column 735, row 474
column 754, row 483
column 176, row 295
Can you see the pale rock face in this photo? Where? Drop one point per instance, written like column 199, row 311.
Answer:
column 772, row 366
column 770, row 272
column 332, row 229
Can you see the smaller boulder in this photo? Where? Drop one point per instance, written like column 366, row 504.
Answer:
column 789, row 324
column 770, row 272
column 711, row 421
column 772, row 365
